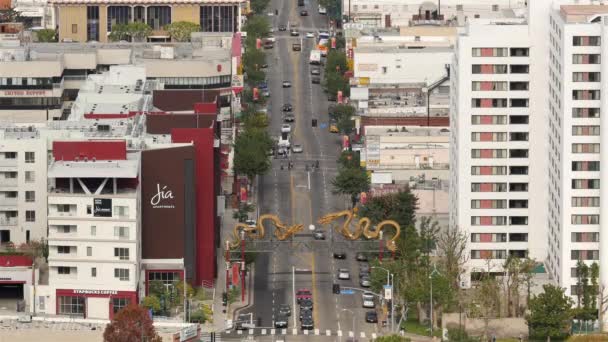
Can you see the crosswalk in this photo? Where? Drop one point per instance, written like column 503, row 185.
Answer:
column 315, row 332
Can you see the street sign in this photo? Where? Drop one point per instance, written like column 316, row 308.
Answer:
column 347, row 292
column 388, row 292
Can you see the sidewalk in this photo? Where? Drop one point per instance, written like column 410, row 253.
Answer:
column 221, row 314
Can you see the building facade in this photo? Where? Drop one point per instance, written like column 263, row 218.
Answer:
column 86, row 20
column 491, row 153
column 23, row 163
column 94, row 232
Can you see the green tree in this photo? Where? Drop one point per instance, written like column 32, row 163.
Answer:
column 46, row 36
column 119, row 32
column 349, row 159
column 259, row 6
column 253, row 59
column 343, row 115
column 250, row 153
column 400, row 206
column 179, row 289
column 351, row 181
column 10, row 16
column 487, row 300
column 334, row 82
column 550, row 314
column 336, row 62
column 151, row 302
column 242, row 214
column 256, row 27
column 334, row 8
column 132, row 323
column 138, row 31
column 181, row 31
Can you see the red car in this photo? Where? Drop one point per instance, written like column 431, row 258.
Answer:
column 303, row 294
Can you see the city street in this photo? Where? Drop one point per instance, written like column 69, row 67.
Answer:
column 301, row 196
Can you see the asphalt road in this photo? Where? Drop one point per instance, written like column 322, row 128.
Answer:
column 301, row 196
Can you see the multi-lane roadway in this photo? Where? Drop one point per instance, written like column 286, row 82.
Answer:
column 302, row 195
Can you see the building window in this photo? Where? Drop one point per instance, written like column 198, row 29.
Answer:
column 121, row 232
column 519, row 52
column 63, row 229
column 93, row 272
column 30, row 196
column 489, row 119
column 122, row 274
column 586, row 41
column 119, row 303
column 74, row 28
column 89, row 251
column 30, row 216
column 71, row 305
column 488, row 153
column 118, row 15
column 585, row 94
column 121, row 253
column 488, row 86
column 585, row 76
column 585, row 201
column 30, row 176
column 585, row 130
column 162, row 279
column 489, row 103
column 93, row 230
column 585, row 112
column 64, row 270
column 89, row 209
column 585, row 237
column 488, row 220
column 489, row 69
column 159, row 17
column 488, row 204
column 585, row 184
column 488, row 187
column 585, row 148
column 586, row 59
column 488, row 136
column 488, row 254
column 63, row 250
column 121, row 211
column 63, row 208
column 584, row 254
column 30, row 157
column 488, row 237
column 586, row 166
column 92, row 23
column 490, row 52
column 585, row 219
column 488, row 170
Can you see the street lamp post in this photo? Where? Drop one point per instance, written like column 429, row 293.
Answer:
column 389, row 281
column 354, row 326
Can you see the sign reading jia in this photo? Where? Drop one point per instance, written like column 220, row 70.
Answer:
column 163, row 199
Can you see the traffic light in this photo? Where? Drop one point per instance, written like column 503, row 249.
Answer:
column 314, row 122
column 336, row 288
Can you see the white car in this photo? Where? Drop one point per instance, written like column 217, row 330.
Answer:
column 368, row 304
column 310, row 35
column 286, row 84
column 266, row 93
column 343, row 274
column 251, row 223
column 297, row 149
column 367, row 296
column 285, row 128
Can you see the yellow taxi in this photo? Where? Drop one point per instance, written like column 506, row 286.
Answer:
column 333, row 127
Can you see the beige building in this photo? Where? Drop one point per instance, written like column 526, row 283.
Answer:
column 92, row 20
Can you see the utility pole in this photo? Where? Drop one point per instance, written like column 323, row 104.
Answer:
column 185, row 292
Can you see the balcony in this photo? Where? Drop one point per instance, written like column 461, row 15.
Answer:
column 8, row 202
column 8, row 182
column 56, row 213
column 8, row 162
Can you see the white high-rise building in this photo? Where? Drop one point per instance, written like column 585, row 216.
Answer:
column 492, row 149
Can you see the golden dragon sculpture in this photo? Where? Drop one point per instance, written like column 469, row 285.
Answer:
column 362, row 227
column 281, row 231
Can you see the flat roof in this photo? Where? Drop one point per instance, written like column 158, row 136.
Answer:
column 96, row 169
column 581, row 13
column 393, row 48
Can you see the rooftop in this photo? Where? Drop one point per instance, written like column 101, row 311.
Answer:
column 96, row 169
column 412, row 133
column 401, row 48
column 128, row 2
column 581, row 13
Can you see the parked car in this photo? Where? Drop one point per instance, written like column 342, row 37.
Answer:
column 310, row 35
column 365, row 282
column 297, row 148
column 287, row 107
column 303, row 13
column 316, row 80
column 289, row 118
column 286, row 84
column 319, row 235
column 308, row 324
column 306, row 304
column 285, row 309
column 367, row 303
column 363, row 268
column 371, row 317
column 367, row 296
column 315, row 71
column 285, row 128
column 302, row 294
column 296, row 47
column 343, row 274
column 361, row 257
column 281, row 321
column 294, row 32
column 340, row 255
column 266, row 93
column 282, row 28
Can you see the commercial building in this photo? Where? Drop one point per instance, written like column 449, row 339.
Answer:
column 387, row 13
column 492, row 149
column 94, row 227
column 92, row 20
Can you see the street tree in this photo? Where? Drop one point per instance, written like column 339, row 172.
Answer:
column 46, row 36
column 138, row 31
column 119, row 32
column 181, row 31
column 392, row 338
column 132, row 323
column 452, row 252
column 257, row 27
column 151, row 302
column 349, row 159
column 259, row 6
column 336, row 62
column 487, row 301
column 351, row 181
column 334, row 8
column 334, row 82
column 10, row 15
column 250, row 153
column 242, row 214
column 253, row 60
column 550, row 314
column 400, row 206
column 343, row 115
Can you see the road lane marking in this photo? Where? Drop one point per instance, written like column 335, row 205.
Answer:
column 328, row 332
column 263, row 331
column 284, row 331
column 374, row 336
column 363, row 334
column 317, row 332
column 351, row 334
column 315, row 313
column 251, row 332
column 239, row 332
column 272, row 331
column 305, row 332
column 339, row 333
column 294, row 331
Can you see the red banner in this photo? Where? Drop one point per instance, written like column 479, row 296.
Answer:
column 235, row 273
column 258, row 43
column 363, row 198
column 333, row 43
column 243, row 194
column 339, row 96
column 345, row 142
column 256, row 94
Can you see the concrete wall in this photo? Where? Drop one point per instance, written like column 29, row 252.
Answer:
column 73, row 15
column 501, row 328
column 186, row 13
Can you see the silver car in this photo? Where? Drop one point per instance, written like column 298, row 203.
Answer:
column 343, row 274
column 365, row 282
column 297, row 148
